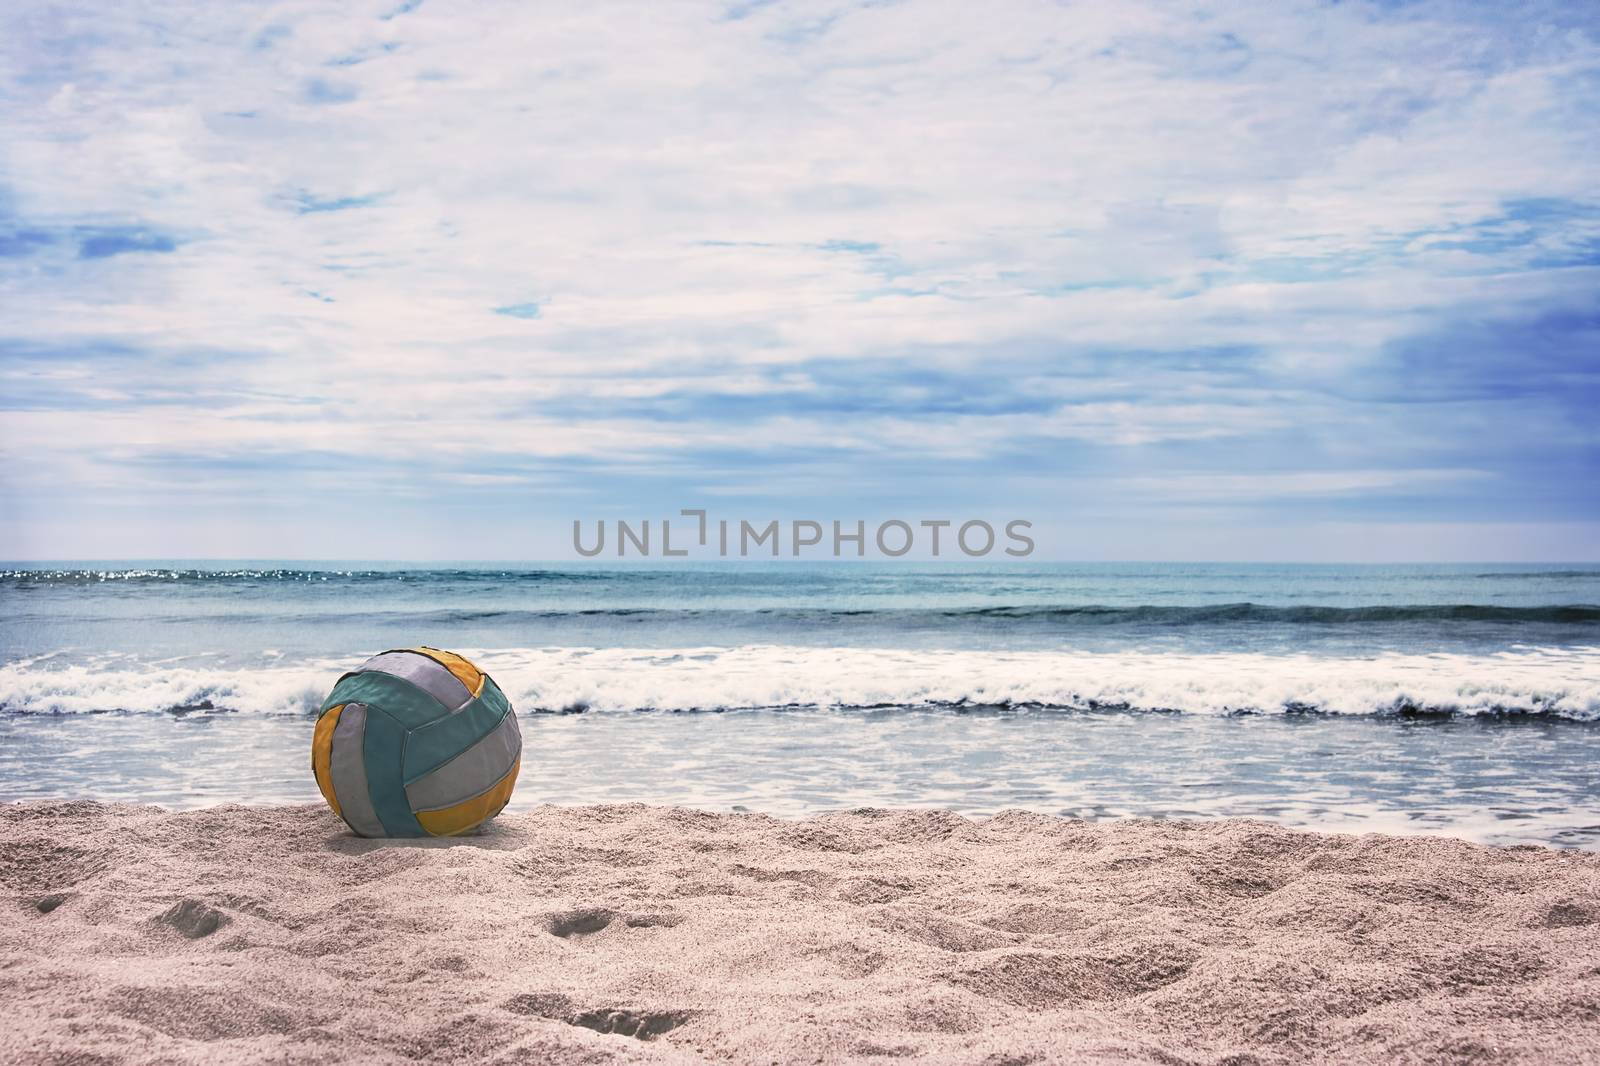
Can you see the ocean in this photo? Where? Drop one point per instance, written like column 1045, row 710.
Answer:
column 1460, row 699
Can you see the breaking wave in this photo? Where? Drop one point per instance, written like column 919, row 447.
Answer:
column 1556, row 682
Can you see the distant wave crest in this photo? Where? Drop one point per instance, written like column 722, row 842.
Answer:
column 24, row 577
column 1026, row 617
column 1254, row 612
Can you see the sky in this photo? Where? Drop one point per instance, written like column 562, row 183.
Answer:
column 430, row 280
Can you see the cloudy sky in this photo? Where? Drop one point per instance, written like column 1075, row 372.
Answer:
column 431, row 279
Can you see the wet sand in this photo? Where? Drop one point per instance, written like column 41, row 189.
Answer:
column 628, row 933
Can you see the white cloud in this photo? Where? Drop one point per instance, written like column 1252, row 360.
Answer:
column 703, row 206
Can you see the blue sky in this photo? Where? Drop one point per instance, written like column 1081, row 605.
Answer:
column 1249, row 281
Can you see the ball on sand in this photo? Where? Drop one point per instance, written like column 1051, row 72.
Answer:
column 417, row 742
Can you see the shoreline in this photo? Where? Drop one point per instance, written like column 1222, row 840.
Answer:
column 1500, row 782
column 629, row 933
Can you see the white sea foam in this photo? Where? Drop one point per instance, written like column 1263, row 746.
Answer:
column 43, row 686
column 1558, row 681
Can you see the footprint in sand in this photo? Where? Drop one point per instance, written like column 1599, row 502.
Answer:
column 580, row 923
column 46, row 904
column 639, row 1024
column 193, row 919
column 586, row 921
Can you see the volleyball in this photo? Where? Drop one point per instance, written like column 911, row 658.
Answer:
column 416, row 742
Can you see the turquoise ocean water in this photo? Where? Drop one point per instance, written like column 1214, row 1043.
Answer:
column 1461, row 699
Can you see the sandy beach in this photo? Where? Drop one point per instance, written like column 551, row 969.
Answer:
column 630, row 933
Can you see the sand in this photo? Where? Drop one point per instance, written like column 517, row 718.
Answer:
column 630, row 933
